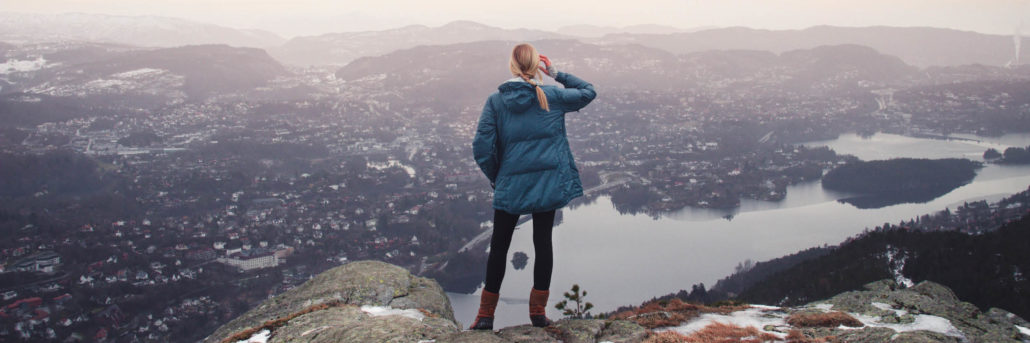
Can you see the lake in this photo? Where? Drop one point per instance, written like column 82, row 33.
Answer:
column 627, row 259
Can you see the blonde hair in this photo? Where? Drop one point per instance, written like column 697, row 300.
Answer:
column 524, row 63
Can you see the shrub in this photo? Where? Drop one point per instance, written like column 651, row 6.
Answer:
column 582, row 307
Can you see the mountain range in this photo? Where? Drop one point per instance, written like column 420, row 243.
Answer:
column 596, row 31
column 341, row 48
column 475, row 69
column 917, row 46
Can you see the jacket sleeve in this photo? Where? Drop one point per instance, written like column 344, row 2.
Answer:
column 577, row 93
column 484, row 145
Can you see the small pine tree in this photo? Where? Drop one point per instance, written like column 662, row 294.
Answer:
column 582, row 307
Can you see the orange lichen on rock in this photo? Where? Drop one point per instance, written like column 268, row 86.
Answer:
column 273, row 324
column 670, row 313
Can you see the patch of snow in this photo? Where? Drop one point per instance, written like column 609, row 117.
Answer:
column 922, row 322
column 14, row 66
column 887, row 307
column 105, row 83
column 260, row 337
column 845, row 327
column 373, row 78
column 1023, row 330
column 825, row 307
column 753, row 317
column 377, row 311
column 896, row 267
column 765, row 307
column 138, row 72
column 313, row 330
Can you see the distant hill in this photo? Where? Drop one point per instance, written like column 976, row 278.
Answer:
column 917, row 46
column 477, row 68
column 986, row 269
column 207, row 69
column 81, row 79
column 920, row 47
column 342, row 48
column 599, row 31
column 145, row 31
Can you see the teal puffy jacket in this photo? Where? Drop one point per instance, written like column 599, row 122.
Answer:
column 523, row 149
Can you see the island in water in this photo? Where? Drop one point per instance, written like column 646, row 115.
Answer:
column 884, row 183
column 1012, row 155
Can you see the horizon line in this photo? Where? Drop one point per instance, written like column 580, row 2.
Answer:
column 685, row 29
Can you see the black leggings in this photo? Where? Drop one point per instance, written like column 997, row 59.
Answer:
column 504, row 226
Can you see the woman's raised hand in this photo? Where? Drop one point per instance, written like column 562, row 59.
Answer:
column 549, row 70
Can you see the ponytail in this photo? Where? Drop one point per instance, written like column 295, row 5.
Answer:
column 542, row 98
column 524, row 63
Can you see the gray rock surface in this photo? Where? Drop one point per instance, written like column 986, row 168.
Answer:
column 622, row 331
column 358, row 283
column 926, row 298
column 327, row 309
column 526, row 334
column 472, row 337
column 579, row 331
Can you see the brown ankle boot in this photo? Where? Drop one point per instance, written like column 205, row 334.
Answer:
column 538, row 308
column 487, row 305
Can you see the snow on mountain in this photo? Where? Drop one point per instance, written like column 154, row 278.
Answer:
column 150, row 31
column 13, row 65
column 79, row 69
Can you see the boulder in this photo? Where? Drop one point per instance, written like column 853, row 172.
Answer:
column 527, row 334
column 579, row 330
column 472, row 337
column 623, row 331
column 327, row 308
column 925, row 298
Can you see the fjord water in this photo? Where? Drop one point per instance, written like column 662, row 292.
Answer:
column 623, row 259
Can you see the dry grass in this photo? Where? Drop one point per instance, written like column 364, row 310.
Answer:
column 726, row 333
column 715, row 333
column 673, row 312
column 829, row 319
column 666, row 337
column 428, row 314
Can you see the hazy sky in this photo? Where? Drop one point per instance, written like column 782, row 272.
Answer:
column 305, row 17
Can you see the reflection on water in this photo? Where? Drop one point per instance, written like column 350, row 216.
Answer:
column 627, row 259
column 882, row 146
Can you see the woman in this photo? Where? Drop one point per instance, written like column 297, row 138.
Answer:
column 520, row 145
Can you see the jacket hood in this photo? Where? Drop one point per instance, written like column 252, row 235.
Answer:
column 518, row 96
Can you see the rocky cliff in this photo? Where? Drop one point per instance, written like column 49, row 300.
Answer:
column 372, row 301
